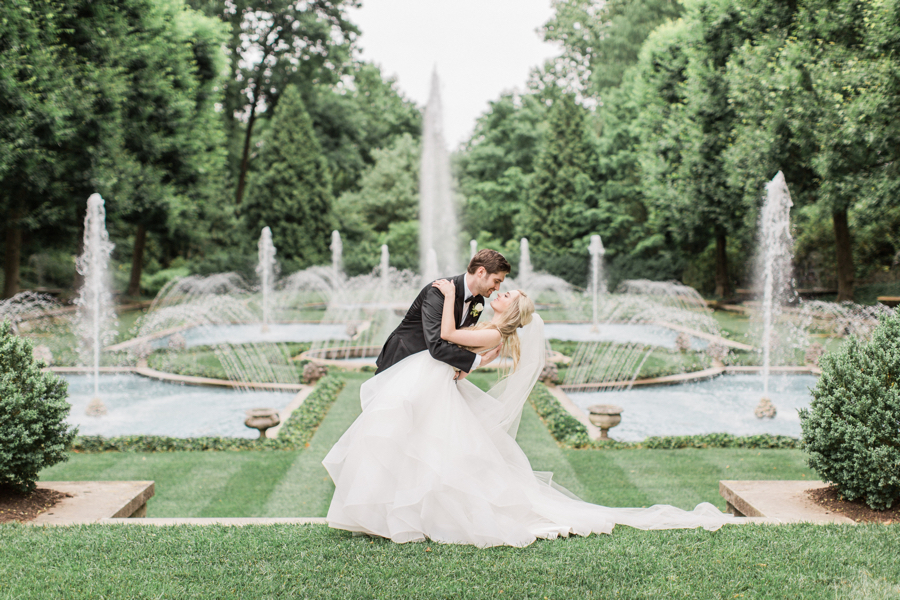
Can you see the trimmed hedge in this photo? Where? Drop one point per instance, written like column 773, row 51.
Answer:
column 295, row 433
column 569, row 432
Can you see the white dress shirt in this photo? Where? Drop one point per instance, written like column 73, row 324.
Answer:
column 465, row 311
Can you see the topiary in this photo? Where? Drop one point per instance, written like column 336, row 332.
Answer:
column 33, row 410
column 851, row 430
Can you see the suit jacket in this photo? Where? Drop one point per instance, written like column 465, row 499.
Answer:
column 421, row 330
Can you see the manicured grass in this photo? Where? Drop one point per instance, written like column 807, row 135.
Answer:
column 294, row 483
column 274, row 483
column 789, row 561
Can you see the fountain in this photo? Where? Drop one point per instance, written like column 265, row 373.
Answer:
column 526, row 272
column 96, row 313
column 774, row 265
column 385, row 265
column 473, row 248
column 438, row 227
column 266, row 271
column 337, row 250
column 596, row 251
column 432, row 271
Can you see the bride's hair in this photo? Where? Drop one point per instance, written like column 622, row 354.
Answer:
column 517, row 314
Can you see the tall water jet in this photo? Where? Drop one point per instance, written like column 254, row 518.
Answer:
column 774, row 263
column 525, row 268
column 438, row 227
column 96, row 317
column 385, row 266
column 337, row 251
column 473, row 248
column 596, row 251
column 266, row 271
column 432, row 271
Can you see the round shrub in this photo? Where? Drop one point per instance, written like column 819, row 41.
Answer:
column 33, row 409
column 851, row 430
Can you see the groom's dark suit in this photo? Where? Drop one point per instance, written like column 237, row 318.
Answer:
column 421, row 329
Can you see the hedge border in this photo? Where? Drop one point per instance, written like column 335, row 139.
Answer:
column 296, row 432
column 569, row 432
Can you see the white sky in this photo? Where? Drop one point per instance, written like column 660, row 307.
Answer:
column 480, row 48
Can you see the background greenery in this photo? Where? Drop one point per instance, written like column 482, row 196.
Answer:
column 656, row 127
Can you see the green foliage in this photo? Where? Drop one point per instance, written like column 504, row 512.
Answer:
column 291, row 191
column 33, row 430
column 562, row 426
column 561, row 209
column 850, row 428
column 295, row 433
column 384, row 210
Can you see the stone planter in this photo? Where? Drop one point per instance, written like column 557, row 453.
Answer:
column 262, row 419
column 605, row 417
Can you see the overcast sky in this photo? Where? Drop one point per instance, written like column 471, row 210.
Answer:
column 479, row 47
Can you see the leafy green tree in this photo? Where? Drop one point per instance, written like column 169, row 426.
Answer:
column 274, row 44
column 495, row 168
column 39, row 97
column 364, row 112
column 824, row 96
column 561, row 210
column 291, row 191
column 384, row 210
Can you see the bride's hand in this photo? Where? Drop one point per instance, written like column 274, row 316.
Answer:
column 446, row 286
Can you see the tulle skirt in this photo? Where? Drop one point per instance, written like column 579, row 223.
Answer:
column 423, row 460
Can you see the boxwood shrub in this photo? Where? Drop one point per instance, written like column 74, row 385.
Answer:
column 33, row 430
column 295, row 433
column 852, row 425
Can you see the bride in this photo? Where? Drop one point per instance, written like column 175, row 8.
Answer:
column 430, row 457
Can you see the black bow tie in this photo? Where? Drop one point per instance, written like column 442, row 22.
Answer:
column 469, row 299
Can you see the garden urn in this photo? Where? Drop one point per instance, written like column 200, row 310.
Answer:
column 605, row 416
column 262, row 419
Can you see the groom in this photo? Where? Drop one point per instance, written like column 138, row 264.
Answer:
column 421, row 327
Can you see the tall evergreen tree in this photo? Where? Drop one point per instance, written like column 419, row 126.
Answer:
column 291, row 191
column 561, row 212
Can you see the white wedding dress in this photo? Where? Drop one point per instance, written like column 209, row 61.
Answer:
column 430, row 458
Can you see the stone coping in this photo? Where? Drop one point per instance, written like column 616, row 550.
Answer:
column 666, row 380
column 777, row 501
column 232, row 521
column 95, row 501
column 706, row 336
column 185, row 379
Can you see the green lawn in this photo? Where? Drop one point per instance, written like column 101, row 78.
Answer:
column 789, row 561
column 294, row 483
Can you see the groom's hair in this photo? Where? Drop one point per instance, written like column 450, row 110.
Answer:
column 491, row 260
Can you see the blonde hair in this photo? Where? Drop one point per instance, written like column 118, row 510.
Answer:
column 517, row 314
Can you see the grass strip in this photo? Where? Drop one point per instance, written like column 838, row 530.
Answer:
column 284, row 561
column 569, row 432
column 295, row 433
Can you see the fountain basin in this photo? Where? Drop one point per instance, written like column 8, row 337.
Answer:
column 724, row 404
column 140, row 406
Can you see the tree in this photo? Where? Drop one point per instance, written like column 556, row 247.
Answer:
column 364, row 112
column 561, row 210
column 820, row 98
column 384, row 210
column 274, row 44
column 291, row 191
column 495, row 167
column 38, row 98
